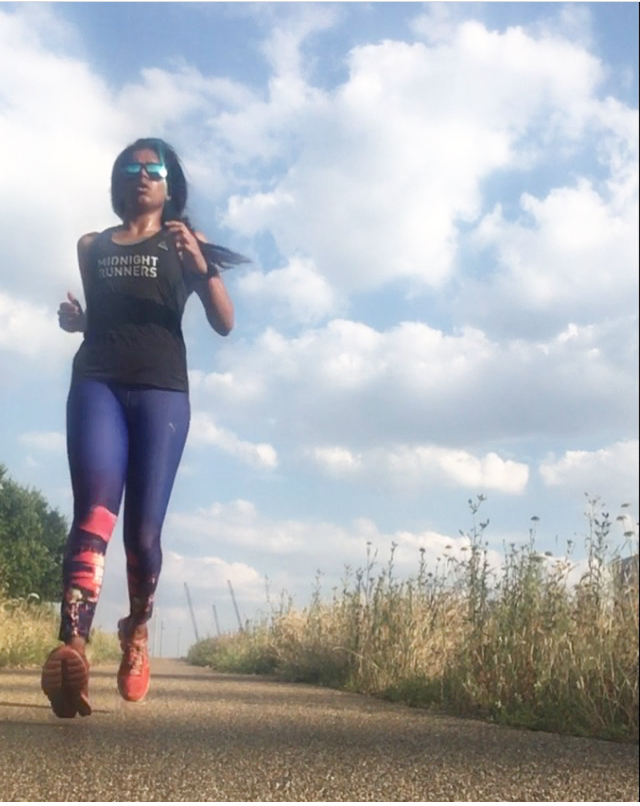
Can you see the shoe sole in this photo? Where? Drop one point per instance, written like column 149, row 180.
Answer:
column 65, row 675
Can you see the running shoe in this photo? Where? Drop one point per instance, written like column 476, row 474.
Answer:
column 65, row 681
column 134, row 671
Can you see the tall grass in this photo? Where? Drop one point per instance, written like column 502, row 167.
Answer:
column 29, row 631
column 524, row 644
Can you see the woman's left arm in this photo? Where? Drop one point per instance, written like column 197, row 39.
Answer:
column 217, row 303
column 209, row 286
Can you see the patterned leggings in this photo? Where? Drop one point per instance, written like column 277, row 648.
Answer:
column 119, row 439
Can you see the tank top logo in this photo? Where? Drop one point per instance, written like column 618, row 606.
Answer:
column 128, row 266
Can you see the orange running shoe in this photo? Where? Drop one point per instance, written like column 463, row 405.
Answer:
column 134, row 671
column 65, row 681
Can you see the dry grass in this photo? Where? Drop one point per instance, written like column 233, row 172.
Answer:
column 29, row 631
column 518, row 644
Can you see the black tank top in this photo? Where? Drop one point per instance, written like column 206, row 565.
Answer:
column 135, row 297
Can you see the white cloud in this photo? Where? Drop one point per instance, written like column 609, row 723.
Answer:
column 31, row 331
column 228, row 385
column 202, row 574
column 438, row 549
column 266, row 129
column 437, row 23
column 351, row 385
column 337, row 460
column 411, row 467
column 204, row 431
column 240, row 526
column 489, row 472
column 394, row 158
column 47, row 441
column 296, row 292
column 283, row 46
column 575, row 258
column 572, row 22
column 610, row 472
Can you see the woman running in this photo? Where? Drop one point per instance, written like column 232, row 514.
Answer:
column 128, row 405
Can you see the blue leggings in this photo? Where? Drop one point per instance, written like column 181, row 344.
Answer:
column 119, row 439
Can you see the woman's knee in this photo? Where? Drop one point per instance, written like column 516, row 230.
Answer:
column 143, row 550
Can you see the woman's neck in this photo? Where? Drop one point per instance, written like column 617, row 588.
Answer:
column 142, row 225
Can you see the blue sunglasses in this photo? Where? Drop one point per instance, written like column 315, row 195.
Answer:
column 154, row 170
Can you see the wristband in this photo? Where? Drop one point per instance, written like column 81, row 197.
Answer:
column 212, row 271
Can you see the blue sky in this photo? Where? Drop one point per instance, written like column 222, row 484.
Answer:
column 441, row 204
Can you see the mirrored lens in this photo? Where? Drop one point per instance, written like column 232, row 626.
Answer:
column 155, row 170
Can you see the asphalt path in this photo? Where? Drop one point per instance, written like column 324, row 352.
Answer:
column 208, row 737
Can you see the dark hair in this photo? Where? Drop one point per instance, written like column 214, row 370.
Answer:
column 176, row 181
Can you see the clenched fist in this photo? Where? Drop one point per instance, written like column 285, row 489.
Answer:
column 71, row 317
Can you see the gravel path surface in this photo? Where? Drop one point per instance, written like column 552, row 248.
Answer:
column 207, row 737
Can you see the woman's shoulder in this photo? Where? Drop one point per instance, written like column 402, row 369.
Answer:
column 85, row 241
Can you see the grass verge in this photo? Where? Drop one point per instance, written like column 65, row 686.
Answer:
column 29, row 631
column 526, row 644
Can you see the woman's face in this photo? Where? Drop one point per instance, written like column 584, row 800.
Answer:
column 143, row 182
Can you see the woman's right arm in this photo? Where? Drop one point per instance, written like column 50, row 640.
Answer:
column 71, row 317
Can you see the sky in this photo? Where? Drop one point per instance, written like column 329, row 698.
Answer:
column 440, row 202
